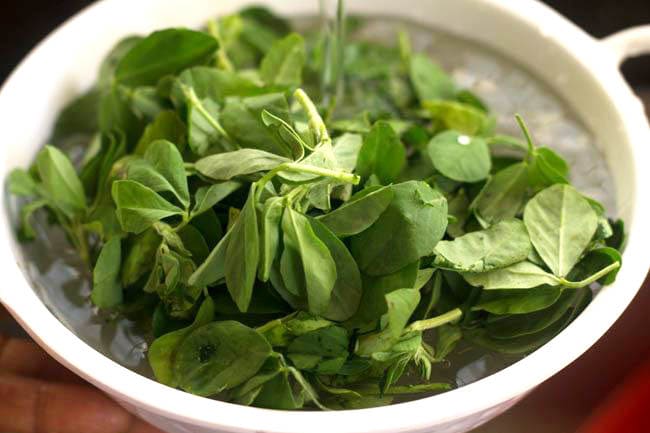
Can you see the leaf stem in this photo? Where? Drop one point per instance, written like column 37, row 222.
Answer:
column 434, row 322
column 191, row 96
column 524, row 129
column 187, row 217
column 593, row 278
column 316, row 122
column 320, row 171
column 223, row 62
column 78, row 235
column 296, row 167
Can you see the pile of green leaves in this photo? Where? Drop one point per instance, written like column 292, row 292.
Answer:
column 296, row 251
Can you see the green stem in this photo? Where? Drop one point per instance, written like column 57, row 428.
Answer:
column 223, row 62
column 295, row 194
column 261, row 183
column 79, row 240
column 592, row 279
column 507, row 141
column 405, row 48
column 316, row 122
column 524, row 129
column 191, row 96
column 320, row 171
column 187, row 217
column 306, row 168
column 434, row 322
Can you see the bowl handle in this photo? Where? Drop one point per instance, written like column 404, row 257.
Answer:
column 631, row 42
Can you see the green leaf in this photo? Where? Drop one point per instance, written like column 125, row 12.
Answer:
column 165, row 158
column 283, row 64
column 110, row 62
column 163, row 350
column 205, row 132
column 169, row 279
column 279, row 393
column 373, row 300
column 461, row 117
column 416, row 220
column 501, row 245
column 618, row 238
column 306, row 262
column 429, row 80
column 503, row 196
column 547, row 168
column 382, row 154
column 346, row 294
column 166, row 126
column 140, row 256
column 323, row 351
column 163, row 53
column 594, row 261
column 526, row 324
column 78, row 117
column 147, row 102
column 448, row 338
column 60, row 182
column 142, row 172
column 242, row 120
column 21, row 183
column 470, row 98
column 520, row 345
column 219, row 356
column 138, row 207
column 401, row 304
column 286, row 134
column 346, row 150
column 243, row 254
column 208, row 196
column 225, row 166
column 213, row 84
column 213, row 268
column 116, row 115
column 107, row 289
column 561, row 224
column 460, row 157
column 247, row 392
column 459, row 209
column 26, row 212
column 209, row 225
column 517, row 301
column 359, row 213
column 270, row 220
column 522, row 275
column 306, row 170
column 193, row 241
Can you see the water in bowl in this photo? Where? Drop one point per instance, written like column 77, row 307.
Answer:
column 64, row 284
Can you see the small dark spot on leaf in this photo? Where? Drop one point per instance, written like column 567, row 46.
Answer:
column 206, row 352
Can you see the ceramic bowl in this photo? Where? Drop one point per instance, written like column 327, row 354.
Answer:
column 583, row 70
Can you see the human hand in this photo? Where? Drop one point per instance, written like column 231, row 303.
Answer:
column 38, row 395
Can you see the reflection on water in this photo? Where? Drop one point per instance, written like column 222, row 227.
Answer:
column 64, row 285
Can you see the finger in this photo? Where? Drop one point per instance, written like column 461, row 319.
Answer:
column 33, row 406
column 25, row 358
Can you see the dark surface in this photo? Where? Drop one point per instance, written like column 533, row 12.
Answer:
column 23, row 23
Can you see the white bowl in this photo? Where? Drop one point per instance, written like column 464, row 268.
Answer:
column 583, row 70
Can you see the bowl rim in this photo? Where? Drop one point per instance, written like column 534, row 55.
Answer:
column 506, row 385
